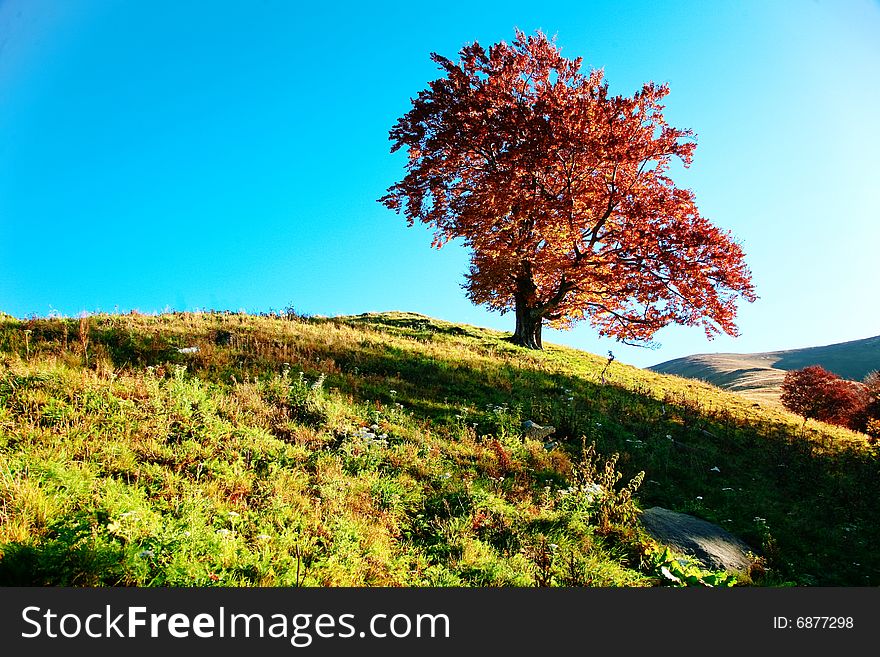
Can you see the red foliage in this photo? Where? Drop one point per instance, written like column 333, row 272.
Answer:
column 504, row 462
column 872, row 384
column 562, row 192
column 814, row 392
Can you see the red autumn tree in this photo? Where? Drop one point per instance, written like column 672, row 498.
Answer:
column 872, row 385
column 562, row 192
column 814, row 392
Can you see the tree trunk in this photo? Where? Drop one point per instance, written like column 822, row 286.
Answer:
column 528, row 326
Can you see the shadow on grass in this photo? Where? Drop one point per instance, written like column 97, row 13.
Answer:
column 812, row 512
column 68, row 556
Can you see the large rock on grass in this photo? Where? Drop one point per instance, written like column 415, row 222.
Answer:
column 711, row 545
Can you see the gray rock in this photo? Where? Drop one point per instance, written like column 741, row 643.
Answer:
column 713, row 546
column 536, row 431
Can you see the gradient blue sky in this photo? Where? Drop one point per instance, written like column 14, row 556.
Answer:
column 228, row 155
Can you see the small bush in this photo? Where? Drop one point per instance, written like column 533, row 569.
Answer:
column 872, row 386
column 873, row 429
column 596, row 480
column 816, row 393
column 304, row 401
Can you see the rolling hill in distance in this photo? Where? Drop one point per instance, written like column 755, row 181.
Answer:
column 759, row 376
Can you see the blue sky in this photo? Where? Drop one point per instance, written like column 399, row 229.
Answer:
column 228, row 155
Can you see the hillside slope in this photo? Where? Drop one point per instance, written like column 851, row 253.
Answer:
column 760, row 375
column 388, row 450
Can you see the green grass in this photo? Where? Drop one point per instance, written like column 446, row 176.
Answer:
column 386, row 450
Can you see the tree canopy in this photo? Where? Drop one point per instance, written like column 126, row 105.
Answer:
column 563, row 195
column 814, row 392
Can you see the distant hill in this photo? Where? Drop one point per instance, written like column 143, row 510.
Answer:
column 758, row 376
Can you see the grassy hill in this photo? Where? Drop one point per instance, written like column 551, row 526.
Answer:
column 759, row 376
column 388, row 450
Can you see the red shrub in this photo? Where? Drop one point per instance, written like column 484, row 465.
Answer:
column 814, row 392
column 872, row 384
